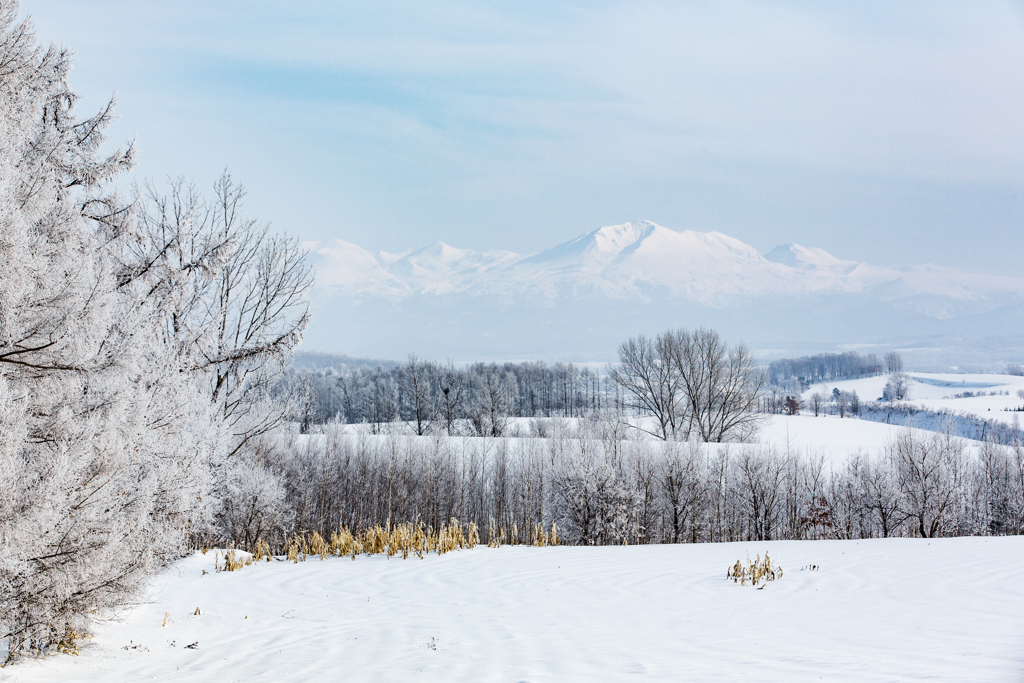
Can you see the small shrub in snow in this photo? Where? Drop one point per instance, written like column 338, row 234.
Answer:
column 757, row 572
column 69, row 642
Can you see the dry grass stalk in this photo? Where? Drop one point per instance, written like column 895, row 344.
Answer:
column 261, row 551
column 68, row 644
column 234, row 560
column 410, row 538
column 757, row 572
column 391, row 540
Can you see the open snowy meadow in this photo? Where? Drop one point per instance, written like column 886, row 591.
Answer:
column 899, row 609
column 986, row 396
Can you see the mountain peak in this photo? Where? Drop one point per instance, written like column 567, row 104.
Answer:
column 804, row 258
column 600, row 247
column 615, row 238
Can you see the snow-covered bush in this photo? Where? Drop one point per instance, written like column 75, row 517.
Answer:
column 252, row 504
column 591, row 501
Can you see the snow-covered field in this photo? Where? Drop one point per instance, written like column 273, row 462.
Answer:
column 877, row 610
column 828, row 435
column 934, row 391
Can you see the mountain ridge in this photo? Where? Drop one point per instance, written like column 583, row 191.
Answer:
column 703, row 266
column 580, row 297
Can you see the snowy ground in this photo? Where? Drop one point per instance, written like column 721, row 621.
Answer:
column 879, row 610
column 828, row 435
column 936, row 391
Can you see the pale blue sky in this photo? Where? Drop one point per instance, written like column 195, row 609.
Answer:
column 890, row 132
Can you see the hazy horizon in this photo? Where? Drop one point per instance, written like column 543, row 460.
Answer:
column 880, row 133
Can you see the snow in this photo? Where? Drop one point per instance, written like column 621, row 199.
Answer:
column 797, row 256
column 826, row 436
column 579, row 299
column 702, row 266
column 830, row 436
column 936, row 391
column 885, row 609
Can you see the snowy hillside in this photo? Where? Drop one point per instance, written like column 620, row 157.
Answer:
column 987, row 397
column 577, row 299
column 874, row 610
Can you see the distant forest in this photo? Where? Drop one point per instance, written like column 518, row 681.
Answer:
column 326, row 387
column 829, row 367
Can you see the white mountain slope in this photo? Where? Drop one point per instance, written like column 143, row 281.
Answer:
column 640, row 276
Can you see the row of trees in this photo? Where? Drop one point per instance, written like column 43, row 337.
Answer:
column 138, row 338
column 477, row 399
column 601, row 487
column 692, row 383
column 830, row 367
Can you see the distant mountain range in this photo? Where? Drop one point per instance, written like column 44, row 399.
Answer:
column 579, row 299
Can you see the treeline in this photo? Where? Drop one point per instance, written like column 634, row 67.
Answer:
column 601, row 487
column 829, row 367
column 691, row 382
column 477, row 399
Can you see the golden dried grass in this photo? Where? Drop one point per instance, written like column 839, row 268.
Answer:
column 409, row 538
column 758, row 572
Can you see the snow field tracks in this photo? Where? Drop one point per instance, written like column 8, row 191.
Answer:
column 882, row 609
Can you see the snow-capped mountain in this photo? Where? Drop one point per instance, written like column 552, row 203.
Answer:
column 640, row 272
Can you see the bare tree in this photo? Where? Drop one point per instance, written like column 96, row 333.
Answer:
column 451, row 383
column 649, row 374
column 817, row 402
column 417, row 378
column 893, row 362
column 692, row 383
column 721, row 386
column 791, row 405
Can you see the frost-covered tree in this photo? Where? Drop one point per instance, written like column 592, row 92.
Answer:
column 253, row 505
column 103, row 441
column 931, row 472
column 897, row 388
column 682, row 479
column 136, row 347
column 232, row 294
column 492, row 400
